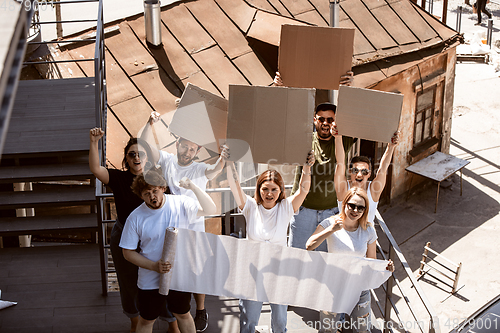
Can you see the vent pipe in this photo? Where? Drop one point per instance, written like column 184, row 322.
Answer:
column 152, row 19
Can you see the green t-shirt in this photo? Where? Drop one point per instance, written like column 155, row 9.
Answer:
column 322, row 193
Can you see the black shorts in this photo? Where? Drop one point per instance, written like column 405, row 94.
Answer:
column 151, row 302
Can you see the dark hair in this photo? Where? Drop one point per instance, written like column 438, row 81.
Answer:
column 363, row 220
column 357, row 159
column 130, row 143
column 151, row 178
column 271, row 176
column 326, row 107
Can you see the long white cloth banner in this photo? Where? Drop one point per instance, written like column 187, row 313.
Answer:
column 245, row 269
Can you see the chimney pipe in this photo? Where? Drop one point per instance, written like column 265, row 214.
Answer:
column 152, row 20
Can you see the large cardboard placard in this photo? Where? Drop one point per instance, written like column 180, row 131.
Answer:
column 201, row 117
column 314, row 57
column 368, row 114
column 276, row 122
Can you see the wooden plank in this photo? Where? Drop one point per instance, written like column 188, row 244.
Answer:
column 134, row 58
column 253, row 69
column 312, row 17
column 133, row 114
column 239, row 12
column 186, row 29
column 44, row 224
column 297, row 7
column 71, row 196
column 393, row 24
column 367, row 24
column 18, row 174
column 222, row 75
column 218, row 25
column 158, row 89
column 171, row 57
column 409, row 15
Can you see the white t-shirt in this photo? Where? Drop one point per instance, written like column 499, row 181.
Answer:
column 350, row 242
column 268, row 225
column 149, row 226
column 173, row 172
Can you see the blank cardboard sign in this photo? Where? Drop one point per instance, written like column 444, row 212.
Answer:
column 314, row 57
column 368, row 114
column 276, row 122
column 201, row 117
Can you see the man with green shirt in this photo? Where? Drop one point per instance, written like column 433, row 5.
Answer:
column 321, row 201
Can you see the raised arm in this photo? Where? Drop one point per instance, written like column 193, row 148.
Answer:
column 214, row 169
column 141, row 261
column 339, row 179
column 234, row 184
column 148, row 136
column 207, row 204
column 305, row 182
column 378, row 183
column 99, row 171
column 320, row 234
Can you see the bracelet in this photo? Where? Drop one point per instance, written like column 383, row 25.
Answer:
column 307, row 174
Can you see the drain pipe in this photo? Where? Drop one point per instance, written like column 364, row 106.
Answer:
column 334, row 22
column 152, row 20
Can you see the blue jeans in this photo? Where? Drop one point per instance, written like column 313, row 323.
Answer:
column 250, row 314
column 126, row 274
column 360, row 317
column 305, row 223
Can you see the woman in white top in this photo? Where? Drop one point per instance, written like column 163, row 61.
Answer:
column 350, row 233
column 360, row 172
column 267, row 215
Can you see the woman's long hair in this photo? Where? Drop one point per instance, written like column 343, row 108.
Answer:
column 141, row 143
column 363, row 220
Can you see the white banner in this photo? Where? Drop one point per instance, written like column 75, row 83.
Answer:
column 241, row 268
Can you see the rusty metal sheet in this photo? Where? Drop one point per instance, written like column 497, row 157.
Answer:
column 394, row 65
column 186, row 29
column 312, row 17
column 116, row 139
column 118, row 84
column 361, row 44
column 239, row 12
column 200, row 79
column 297, row 7
column 133, row 114
column 409, row 14
column 437, row 166
column 367, row 24
column 253, row 69
column 125, row 46
column 372, row 4
column 323, row 7
column 158, row 89
column 218, row 25
column 443, row 30
column 223, row 73
column 172, row 57
column 367, row 75
column 280, row 8
column 84, row 52
column 267, row 27
column 67, row 70
column 394, row 26
column 262, row 4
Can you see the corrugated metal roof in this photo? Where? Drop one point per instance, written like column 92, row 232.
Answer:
column 206, row 42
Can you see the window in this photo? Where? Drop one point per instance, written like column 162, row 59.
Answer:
column 424, row 116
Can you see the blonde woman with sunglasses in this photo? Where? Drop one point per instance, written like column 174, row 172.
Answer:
column 349, row 233
column 360, row 172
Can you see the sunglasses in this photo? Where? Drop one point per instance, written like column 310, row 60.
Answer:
column 329, row 120
column 364, row 172
column 353, row 207
column 133, row 154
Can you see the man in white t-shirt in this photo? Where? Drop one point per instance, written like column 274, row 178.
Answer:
column 176, row 167
column 146, row 227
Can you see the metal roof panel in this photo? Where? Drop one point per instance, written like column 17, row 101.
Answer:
column 239, row 12
column 253, row 69
column 411, row 17
column 297, row 7
column 393, row 24
column 313, row 17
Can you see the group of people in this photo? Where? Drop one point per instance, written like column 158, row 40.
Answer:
column 159, row 190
